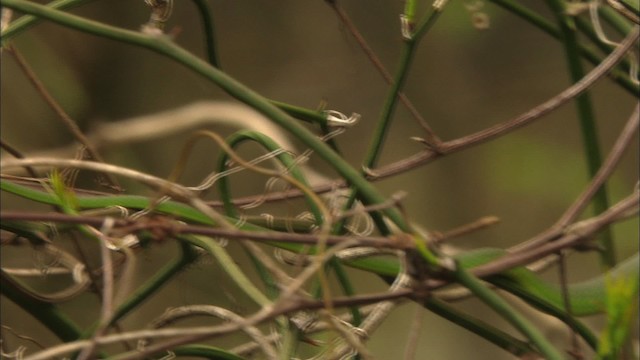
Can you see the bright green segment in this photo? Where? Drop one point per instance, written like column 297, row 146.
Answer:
column 586, row 297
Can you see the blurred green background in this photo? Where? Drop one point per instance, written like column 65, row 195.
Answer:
column 462, row 80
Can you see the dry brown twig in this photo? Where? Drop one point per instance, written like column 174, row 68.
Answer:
column 566, row 233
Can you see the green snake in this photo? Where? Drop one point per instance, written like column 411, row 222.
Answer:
column 586, row 298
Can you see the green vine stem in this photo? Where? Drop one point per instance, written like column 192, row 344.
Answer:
column 25, row 22
column 517, row 281
column 347, row 287
column 587, row 124
column 204, row 351
column 153, row 284
column 411, row 40
column 311, row 116
column 288, row 162
column 391, row 100
column 165, row 47
column 292, row 168
column 275, row 113
column 229, row 265
column 501, row 307
column 235, row 272
column 620, row 77
column 47, row 314
column 486, row 331
column 384, row 267
column 614, row 19
column 208, row 30
column 159, row 279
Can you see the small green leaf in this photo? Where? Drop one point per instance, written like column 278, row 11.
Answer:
column 621, row 310
column 67, row 197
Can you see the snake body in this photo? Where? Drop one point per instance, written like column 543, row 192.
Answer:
column 585, row 298
column 588, row 297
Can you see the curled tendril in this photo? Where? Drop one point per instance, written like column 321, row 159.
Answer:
column 360, row 225
column 242, row 219
column 45, row 258
column 170, row 356
column 58, row 262
column 210, row 180
column 269, row 219
column 439, row 4
column 172, row 315
column 138, row 214
column 160, row 12
column 16, row 354
column 306, row 216
column 597, row 27
column 338, row 119
column 406, row 27
column 333, row 134
column 268, row 187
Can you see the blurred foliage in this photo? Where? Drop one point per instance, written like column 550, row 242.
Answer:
column 463, row 79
